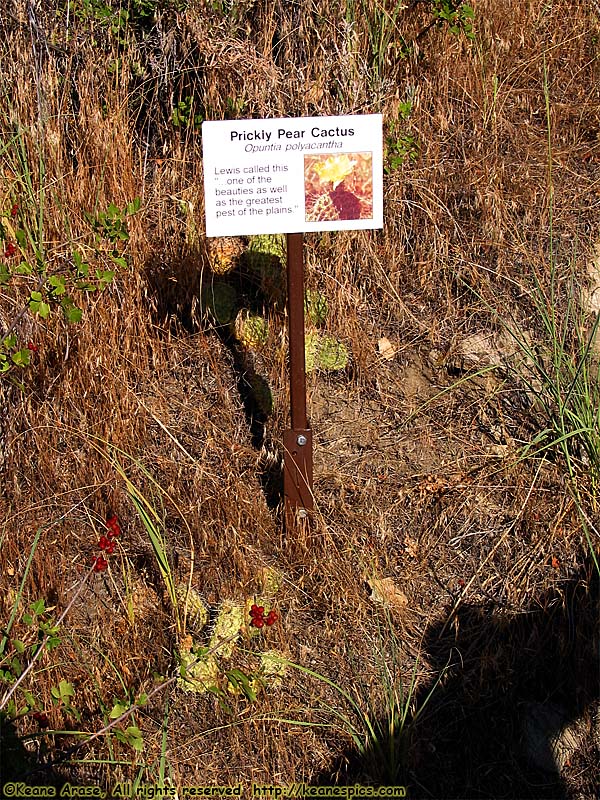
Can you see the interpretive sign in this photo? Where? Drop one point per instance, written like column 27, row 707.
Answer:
column 293, row 175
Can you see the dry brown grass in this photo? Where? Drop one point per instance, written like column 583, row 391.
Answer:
column 412, row 482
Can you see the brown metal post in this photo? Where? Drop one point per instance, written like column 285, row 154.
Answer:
column 297, row 442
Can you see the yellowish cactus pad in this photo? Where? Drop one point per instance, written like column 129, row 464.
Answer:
column 273, row 667
column 230, row 622
column 251, row 330
column 194, row 607
column 200, row 673
column 270, row 580
column 223, row 254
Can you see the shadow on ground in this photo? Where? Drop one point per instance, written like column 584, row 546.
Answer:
column 26, row 765
column 516, row 714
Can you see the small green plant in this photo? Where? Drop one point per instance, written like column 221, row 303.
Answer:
column 122, row 20
column 184, row 115
column 111, row 225
column 400, row 147
column 235, row 107
column 457, row 16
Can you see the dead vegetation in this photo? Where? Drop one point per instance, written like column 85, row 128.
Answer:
column 481, row 559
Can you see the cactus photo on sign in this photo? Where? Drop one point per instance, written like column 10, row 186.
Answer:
column 292, row 175
column 338, row 187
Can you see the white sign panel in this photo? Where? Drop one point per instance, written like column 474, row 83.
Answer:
column 293, row 175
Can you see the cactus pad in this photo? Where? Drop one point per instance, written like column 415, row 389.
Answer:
column 265, row 257
column 272, row 667
column 198, row 673
column 333, row 355
column 195, row 607
column 223, row 254
column 316, row 307
column 324, row 352
column 251, row 330
column 270, row 580
column 267, row 245
column 230, row 621
column 219, row 302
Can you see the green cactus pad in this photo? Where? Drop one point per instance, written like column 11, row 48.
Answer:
column 251, row 330
column 316, row 307
column 324, row 352
column 266, row 256
column 220, row 302
column 333, row 355
column 270, row 244
column 270, row 580
column 311, row 350
column 272, row 667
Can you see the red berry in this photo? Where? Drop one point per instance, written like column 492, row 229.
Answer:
column 271, row 617
column 258, row 622
column 110, row 547
column 14, row 210
column 103, row 543
column 33, row 347
column 100, row 564
column 9, row 250
column 112, row 523
column 41, row 719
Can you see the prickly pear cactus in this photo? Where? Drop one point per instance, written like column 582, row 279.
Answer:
column 316, row 307
column 323, row 209
column 333, row 182
column 311, row 350
column 195, row 607
column 347, row 204
column 251, row 330
column 269, row 244
column 198, row 674
column 324, row 352
column 223, row 254
column 333, row 355
column 229, row 623
column 220, row 302
column 271, row 580
column 335, row 205
column 207, row 667
column 266, row 256
column 273, row 667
